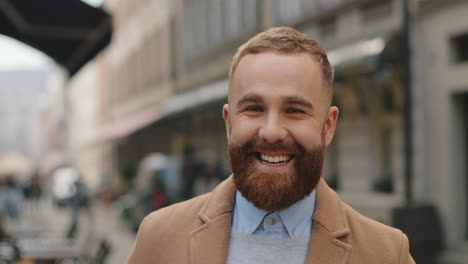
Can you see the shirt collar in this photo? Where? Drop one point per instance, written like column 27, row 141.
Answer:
column 247, row 217
column 296, row 219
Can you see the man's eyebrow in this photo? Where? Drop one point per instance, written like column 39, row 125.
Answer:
column 298, row 100
column 249, row 98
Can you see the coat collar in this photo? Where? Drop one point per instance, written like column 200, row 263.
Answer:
column 330, row 228
column 209, row 242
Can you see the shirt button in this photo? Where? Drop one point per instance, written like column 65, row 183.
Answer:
column 294, row 234
column 271, row 221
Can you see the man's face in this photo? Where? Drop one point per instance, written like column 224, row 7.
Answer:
column 278, row 124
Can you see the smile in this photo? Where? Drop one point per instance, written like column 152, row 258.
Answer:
column 274, row 159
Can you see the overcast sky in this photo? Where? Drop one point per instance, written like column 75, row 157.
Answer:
column 15, row 55
column 18, row 56
column 94, row 3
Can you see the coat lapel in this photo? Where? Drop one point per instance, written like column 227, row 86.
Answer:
column 326, row 249
column 209, row 242
column 330, row 229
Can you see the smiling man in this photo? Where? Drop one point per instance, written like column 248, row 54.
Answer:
column 275, row 208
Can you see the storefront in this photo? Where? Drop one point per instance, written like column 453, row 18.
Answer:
column 365, row 162
column 191, row 120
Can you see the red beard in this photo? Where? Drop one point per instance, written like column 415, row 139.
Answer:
column 273, row 192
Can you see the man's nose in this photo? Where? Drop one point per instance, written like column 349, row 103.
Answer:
column 273, row 130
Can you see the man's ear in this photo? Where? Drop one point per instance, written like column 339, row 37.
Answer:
column 330, row 124
column 227, row 121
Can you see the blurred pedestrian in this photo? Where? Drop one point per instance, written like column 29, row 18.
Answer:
column 276, row 207
column 207, row 180
column 191, row 169
column 34, row 187
column 13, row 198
column 159, row 195
column 33, row 191
column 3, row 213
column 78, row 201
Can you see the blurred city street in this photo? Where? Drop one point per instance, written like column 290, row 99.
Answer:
column 95, row 224
column 111, row 109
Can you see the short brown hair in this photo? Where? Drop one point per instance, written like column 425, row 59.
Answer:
column 285, row 40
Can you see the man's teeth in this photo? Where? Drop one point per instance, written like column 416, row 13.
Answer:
column 274, row 159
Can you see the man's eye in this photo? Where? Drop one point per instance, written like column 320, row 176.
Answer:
column 253, row 108
column 294, row 110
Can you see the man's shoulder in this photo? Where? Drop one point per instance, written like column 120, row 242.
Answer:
column 179, row 212
column 187, row 215
column 335, row 214
column 371, row 241
column 172, row 223
column 358, row 220
column 371, row 233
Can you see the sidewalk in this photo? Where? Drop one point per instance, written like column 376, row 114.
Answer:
column 100, row 222
column 108, row 225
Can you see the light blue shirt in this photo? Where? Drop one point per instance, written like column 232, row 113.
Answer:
column 295, row 221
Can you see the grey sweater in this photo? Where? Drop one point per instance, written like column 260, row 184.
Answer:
column 254, row 249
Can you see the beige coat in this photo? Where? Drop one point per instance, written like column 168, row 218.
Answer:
column 197, row 232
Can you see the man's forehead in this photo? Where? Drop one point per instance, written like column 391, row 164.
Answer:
column 270, row 64
column 273, row 57
column 293, row 98
column 267, row 55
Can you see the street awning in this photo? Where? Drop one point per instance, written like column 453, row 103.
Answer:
column 375, row 52
column 351, row 53
column 119, row 129
column 125, row 127
column 69, row 31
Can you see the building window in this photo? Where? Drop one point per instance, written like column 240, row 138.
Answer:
column 288, row 12
column 327, row 27
column 232, row 14
column 376, row 10
column 309, row 7
column 459, row 48
column 250, row 8
column 189, row 29
column 201, row 21
column 155, row 56
column 174, row 47
column 328, row 4
column 214, row 22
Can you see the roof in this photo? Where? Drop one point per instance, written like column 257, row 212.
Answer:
column 69, row 31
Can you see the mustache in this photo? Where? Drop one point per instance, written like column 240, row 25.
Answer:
column 258, row 145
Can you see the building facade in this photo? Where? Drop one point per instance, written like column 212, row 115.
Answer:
column 167, row 70
column 20, row 104
column 164, row 78
column 81, row 105
column 440, row 67
column 163, row 81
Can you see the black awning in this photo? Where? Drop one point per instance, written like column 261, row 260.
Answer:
column 69, row 31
